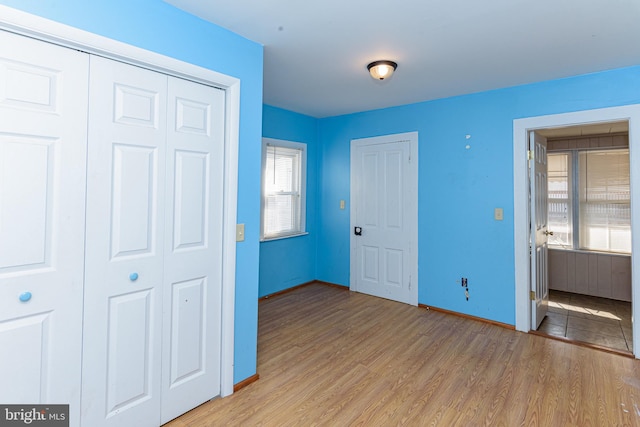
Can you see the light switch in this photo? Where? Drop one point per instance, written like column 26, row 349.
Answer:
column 341, row 204
column 498, row 214
column 239, row 232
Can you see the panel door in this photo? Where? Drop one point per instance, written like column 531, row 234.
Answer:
column 193, row 247
column 43, row 96
column 125, row 243
column 384, row 201
column 540, row 230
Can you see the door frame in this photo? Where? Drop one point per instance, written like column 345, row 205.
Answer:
column 412, row 138
column 521, row 128
column 23, row 23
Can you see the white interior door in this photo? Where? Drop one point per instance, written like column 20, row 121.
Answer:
column 43, row 115
column 384, row 214
column 539, row 229
column 124, row 268
column 193, row 247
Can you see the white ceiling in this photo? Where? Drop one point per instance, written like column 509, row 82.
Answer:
column 316, row 52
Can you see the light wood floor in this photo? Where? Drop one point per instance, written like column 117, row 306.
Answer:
column 333, row 357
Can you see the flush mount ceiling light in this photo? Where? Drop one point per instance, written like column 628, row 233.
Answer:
column 381, row 70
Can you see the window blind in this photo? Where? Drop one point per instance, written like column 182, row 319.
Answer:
column 605, row 208
column 282, row 191
column 560, row 208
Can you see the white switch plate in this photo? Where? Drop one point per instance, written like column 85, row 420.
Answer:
column 239, row 232
column 498, row 214
column 341, row 204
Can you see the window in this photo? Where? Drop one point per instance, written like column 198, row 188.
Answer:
column 605, row 208
column 589, row 200
column 560, row 195
column 284, row 165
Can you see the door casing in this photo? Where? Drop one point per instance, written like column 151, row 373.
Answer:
column 521, row 128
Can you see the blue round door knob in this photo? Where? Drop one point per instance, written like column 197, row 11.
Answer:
column 133, row 277
column 25, row 296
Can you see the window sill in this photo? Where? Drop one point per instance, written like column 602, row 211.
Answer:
column 586, row 251
column 288, row 236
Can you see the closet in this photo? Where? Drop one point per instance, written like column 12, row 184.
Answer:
column 111, row 206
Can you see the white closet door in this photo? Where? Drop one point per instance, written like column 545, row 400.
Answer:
column 43, row 97
column 193, row 247
column 124, row 269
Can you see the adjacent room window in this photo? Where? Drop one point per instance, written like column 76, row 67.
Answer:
column 560, row 195
column 284, row 165
column 589, row 200
column 604, row 193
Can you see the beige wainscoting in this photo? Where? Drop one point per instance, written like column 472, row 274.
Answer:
column 597, row 274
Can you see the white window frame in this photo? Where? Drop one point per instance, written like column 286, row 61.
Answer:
column 302, row 185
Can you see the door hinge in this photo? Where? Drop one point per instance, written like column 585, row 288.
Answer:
column 530, row 154
column 532, row 295
column 409, row 282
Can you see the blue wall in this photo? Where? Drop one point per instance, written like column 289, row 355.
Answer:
column 289, row 262
column 458, row 187
column 159, row 27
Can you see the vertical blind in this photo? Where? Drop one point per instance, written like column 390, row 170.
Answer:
column 282, row 191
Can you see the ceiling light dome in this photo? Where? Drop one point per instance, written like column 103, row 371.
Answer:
column 381, row 70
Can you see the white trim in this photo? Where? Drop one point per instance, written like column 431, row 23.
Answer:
column 230, row 200
column 53, row 32
column 23, row 23
column 521, row 202
column 412, row 206
column 289, row 236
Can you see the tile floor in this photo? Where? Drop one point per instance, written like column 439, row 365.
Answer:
column 599, row 321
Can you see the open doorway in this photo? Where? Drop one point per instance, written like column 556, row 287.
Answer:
column 588, row 220
column 569, row 122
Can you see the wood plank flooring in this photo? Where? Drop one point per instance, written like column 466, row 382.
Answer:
column 332, row 357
